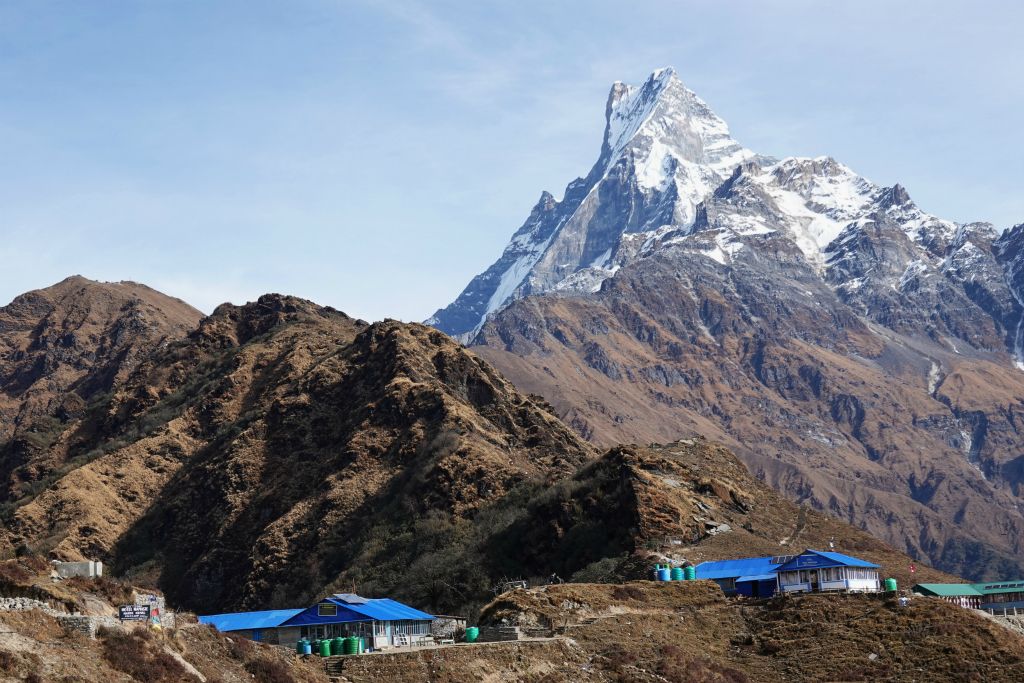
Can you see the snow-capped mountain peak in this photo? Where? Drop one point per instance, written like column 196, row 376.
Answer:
column 663, row 151
column 671, row 177
column 663, row 125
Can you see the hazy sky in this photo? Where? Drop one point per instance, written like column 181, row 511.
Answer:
column 374, row 156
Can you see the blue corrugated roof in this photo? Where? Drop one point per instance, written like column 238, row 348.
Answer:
column 730, row 569
column 383, row 609
column 354, row 607
column 756, row 577
column 833, row 560
column 242, row 621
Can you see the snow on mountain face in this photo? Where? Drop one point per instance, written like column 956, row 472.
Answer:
column 663, row 151
column 670, row 177
column 1009, row 249
column 663, row 124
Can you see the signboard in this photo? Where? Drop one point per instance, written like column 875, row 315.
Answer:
column 133, row 612
column 809, row 562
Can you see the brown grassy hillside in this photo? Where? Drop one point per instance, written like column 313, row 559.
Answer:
column 638, row 505
column 895, row 433
column 63, row 349
column 687, row 631
column 253, row 462
column 282, row 449
column 36, row 647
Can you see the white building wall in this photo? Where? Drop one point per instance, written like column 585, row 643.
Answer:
column 790, row 582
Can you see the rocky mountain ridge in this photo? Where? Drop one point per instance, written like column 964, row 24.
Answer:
column 859, row 353
column 289, row 425
column 62, row 349
column 281, row 450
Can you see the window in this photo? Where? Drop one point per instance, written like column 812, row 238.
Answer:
column 327, row 609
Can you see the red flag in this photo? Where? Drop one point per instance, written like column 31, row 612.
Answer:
column 913, row 568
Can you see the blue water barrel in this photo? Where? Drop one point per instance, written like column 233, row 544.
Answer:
column 664, row 574
column 307, row 647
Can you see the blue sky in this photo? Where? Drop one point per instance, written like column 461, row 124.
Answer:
column 374, row 156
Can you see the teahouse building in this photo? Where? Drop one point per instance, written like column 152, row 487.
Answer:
column 750, row 576
column 814, row 571
column 381, row 621
column 810, row 571
column 994, row 596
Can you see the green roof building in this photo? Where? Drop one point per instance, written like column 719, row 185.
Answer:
column 993, row 596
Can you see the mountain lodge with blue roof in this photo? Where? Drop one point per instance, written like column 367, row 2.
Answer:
column 381, row 621
column 811, row 571
column 815, row 571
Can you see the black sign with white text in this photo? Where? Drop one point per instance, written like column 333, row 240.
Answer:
column 133, row 612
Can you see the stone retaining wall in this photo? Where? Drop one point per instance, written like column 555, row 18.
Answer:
column 86, row 625
column 83, row 623
column 17, row 604
column 492, row 634
column 485, row 661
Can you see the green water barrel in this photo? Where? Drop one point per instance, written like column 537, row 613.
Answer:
column 472, row 633
column 337, row 646
column 690, row 573
column 890, row 585
column 677, row 573
column 350, row 646
column 361, row 645
column 298, row 646
column 325, row 648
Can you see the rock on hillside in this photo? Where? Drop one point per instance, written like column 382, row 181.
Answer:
column 64, row 347
column 255, row 462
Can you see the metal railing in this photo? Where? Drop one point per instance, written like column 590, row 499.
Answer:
column 1003, row 611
